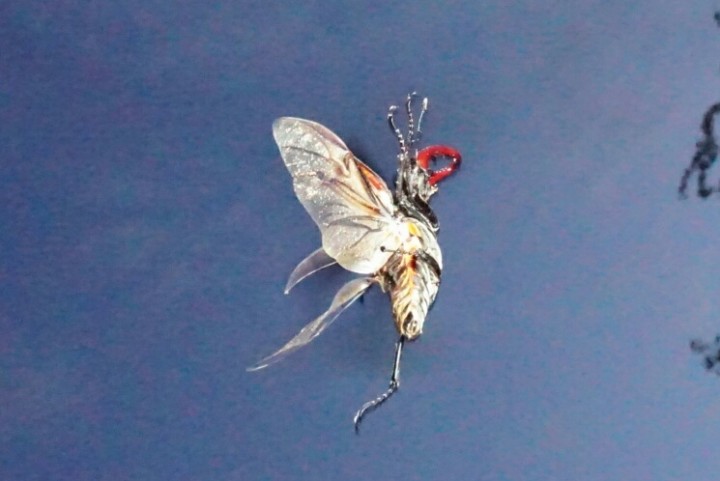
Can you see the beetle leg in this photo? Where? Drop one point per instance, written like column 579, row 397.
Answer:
column 394, row 128
column 411, row 120
column 394, row 385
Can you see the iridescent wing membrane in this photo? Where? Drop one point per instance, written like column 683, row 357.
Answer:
column 351, row 205
column 345, row 296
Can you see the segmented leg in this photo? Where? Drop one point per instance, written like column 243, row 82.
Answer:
column 394, row 385
column 414, row 136
column 425, row 106
column 411, row 120
column 395, row 130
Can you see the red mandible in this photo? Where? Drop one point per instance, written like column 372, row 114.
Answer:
column 432, row 153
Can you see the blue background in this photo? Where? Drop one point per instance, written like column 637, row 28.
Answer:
column 149, row 225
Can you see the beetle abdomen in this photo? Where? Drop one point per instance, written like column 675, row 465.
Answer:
column 413, row 283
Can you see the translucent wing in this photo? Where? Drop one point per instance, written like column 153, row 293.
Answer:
column 345, row 296
column 310, row 265
column 349, row 202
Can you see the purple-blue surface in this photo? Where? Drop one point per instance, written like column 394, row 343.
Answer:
column 149, row 225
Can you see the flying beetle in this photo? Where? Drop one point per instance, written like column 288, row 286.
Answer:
column 390, row 239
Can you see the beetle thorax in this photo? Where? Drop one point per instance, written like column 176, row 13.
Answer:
column 417, row 182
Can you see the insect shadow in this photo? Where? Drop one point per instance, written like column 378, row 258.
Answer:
column 705, row 156
column 710, row 351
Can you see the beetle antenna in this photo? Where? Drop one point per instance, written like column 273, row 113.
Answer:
column 395, row 130
column 394, row 385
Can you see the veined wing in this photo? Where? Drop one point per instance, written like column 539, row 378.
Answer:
column 344, row 297
column 316, row 261
column 349, row 202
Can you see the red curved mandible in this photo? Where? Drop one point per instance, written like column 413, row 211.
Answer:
column 432, row 153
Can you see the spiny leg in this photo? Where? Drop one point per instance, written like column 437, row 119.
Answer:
column 418, row 133
column 411, row 120
column 395, row 130
column 394, row 385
